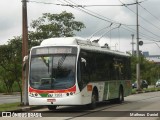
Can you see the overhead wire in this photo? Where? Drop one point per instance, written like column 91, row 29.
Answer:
column 83, row 9
column 141, row 17
column 79, row 5
column 99, row 31
column 150, row 13
column 97, row 14
column 108, row 31
column 91, row 12
column 149, row 31
column 103, row 16
column 142, row 34
column 70, row 2
column 140, row 26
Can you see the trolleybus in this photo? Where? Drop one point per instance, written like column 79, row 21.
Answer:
column 72, row 71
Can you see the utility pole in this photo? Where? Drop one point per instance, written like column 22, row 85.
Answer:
column 138, row 64
column 24, row 100
column 132, row 44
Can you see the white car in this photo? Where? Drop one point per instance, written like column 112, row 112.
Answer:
column 158, row 83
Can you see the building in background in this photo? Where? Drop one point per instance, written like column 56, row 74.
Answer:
column 154, row 58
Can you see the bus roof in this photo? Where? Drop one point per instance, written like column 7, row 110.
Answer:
column 82, row 43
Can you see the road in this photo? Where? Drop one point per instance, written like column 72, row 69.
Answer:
column 137, row 105
column 16, row 97
column 9, row 98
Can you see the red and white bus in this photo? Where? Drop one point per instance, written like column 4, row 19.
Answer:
column 70, row 71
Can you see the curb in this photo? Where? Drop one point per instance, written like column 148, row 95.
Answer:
column 28, row 108
column 139, row 92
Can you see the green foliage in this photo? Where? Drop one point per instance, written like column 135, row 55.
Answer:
column 148, row 70
column 10, row 63
column 54, row 25
column 9, row 106
column 47, row 26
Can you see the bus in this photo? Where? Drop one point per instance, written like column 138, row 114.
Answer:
column 73, row 71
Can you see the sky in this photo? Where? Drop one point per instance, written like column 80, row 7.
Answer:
column 98, row 17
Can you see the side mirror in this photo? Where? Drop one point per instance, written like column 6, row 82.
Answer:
column 83, row 65
column 25, row 59
column 83, row 61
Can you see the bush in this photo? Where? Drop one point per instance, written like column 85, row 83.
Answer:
column 3, row 89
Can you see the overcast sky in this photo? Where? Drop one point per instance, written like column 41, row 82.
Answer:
column 119, row 39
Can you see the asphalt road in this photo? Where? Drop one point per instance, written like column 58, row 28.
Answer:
column 15, row 98
column 9, row 98
column 135, row 107
column 138, row 105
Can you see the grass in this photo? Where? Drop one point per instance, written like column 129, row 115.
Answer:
column 9, row 106
column 154, row 89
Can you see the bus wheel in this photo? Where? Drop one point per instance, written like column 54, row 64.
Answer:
column 121, row 95
column 92, row 105
column 52, row 107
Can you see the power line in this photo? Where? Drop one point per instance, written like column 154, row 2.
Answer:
column 92, row 13
column 149, row 31
column 149, row 12
column 71, row 5
column 142, row 34
column 141, row 17
column 106, row 5
column 82, row 9
column 75, row 6
column 108, row 31
column 100, row 30
column 152, row 43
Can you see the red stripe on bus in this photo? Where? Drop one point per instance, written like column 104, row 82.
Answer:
column 72, row 89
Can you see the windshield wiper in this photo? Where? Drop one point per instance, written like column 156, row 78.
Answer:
column 60, row 61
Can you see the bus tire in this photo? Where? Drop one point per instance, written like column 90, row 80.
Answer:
column 52, row 107
column 121, row 95
column 94, row 99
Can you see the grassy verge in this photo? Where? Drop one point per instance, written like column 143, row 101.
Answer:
column 154, row 89
column 9, row 106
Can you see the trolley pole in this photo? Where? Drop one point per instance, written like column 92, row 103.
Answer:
column 138, row 64
column 24, row 52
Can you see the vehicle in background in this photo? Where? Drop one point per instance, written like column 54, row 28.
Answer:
column 158, row 83
column 143, row 84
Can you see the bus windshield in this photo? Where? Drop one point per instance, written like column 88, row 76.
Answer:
column 52, row 72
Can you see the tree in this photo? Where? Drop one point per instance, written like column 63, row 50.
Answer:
column 54, row 25
column 148, row 70
column 49, row 25
column 10, row 63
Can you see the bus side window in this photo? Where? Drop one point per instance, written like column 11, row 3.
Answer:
column 83, row 65
column 82, row 74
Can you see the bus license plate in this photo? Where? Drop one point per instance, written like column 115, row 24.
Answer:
column 51, row 100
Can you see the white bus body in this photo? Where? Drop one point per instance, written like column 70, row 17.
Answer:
column 62, row 55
